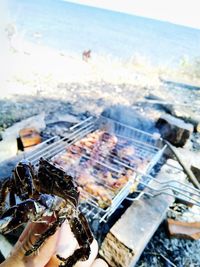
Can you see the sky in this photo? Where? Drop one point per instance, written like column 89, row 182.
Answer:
column 182, row 12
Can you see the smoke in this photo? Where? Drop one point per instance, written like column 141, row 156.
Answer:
column 129, row 116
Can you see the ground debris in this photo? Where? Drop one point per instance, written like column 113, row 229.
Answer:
column 180, row 252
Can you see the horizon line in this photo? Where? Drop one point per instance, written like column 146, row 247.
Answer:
column 138, row 14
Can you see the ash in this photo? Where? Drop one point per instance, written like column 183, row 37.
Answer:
column 162, row 251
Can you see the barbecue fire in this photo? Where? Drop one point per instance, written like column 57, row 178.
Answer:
column 104, row 157
column 85, row 160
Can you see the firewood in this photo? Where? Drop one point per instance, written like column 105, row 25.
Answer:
column 29, row 137
column 187, row 230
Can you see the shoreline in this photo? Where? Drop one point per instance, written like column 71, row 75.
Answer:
column 28, row 62
column 41, row 76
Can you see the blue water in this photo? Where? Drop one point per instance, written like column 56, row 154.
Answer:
column 74, row 28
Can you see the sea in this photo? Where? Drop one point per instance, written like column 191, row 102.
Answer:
column 73, row 28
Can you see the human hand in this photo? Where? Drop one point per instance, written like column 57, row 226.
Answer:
column 62, row 243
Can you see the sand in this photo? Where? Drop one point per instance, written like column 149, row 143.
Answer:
column 36, row 79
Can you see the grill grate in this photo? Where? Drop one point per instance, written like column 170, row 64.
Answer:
column 147, row 150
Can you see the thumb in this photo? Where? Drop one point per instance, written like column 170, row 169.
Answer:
column 29, row 237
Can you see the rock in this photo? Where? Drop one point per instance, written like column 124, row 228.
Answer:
column 188, row 230
column 196, row 171
column 59, row 128
column 68, row 118
column 174, row 130
column 158, row 103
column 197, row 128
column 129, row 236
column 8, row 148
column 38, row 122
column 151, row 96
column 188, row 115
column 191, row 158
column 115, row 252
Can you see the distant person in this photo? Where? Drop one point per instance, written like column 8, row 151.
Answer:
column 10, row 30
column 86, row 55
column 11, row 33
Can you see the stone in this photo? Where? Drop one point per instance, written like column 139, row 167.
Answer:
column 198, row 127
column 128, row 237
column 174, row 130
column 190, row 158
column 196, row 171
column 188, row 114
column 115, row 252
column 8, row 148
column 38, row 122
column 29, row 137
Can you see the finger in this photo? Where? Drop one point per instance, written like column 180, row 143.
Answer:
column 21, row 238
column 29, row 237
column 35, row 260
column 25, row 232
column 99, row 263
column 34, row 235
column 32, row 232
column 43, row 255
column 45, row 252
column 65, row 246
column 94, row 250
column 93, row 254
column 66, row 243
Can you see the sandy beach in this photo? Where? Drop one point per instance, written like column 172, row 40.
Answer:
column 34, row 74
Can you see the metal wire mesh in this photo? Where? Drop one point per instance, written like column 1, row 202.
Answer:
column 145, row 155
column 147, row 149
